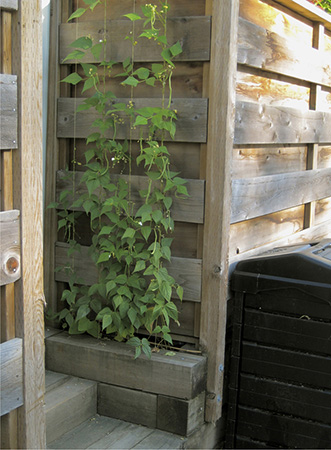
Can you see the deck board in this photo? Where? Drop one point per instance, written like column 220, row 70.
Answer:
column 106, row 433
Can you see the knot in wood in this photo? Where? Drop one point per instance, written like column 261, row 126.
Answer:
column 12, row 265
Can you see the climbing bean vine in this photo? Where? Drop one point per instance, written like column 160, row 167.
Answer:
column 131, row 238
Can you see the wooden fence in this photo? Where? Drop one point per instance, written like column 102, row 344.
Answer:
column 253, row 141
column 22, row 300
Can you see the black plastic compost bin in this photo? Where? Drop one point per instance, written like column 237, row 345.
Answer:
column 280, row 364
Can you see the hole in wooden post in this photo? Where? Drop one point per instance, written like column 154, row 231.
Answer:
column 12, row 265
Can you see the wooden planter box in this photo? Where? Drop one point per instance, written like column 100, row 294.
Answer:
column 164, row 392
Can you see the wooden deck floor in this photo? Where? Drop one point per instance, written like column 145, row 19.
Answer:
column 106, row 433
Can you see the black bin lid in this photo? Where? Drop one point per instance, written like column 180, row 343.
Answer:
column 303, row 266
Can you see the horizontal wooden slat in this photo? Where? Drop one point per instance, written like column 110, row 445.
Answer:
column 8, row 112
column 10, row 247
column 9, row 4
column 186, row 271
column 11, row 375
column 263, row 49
column 253, row 197
column 261, row 124
column 308, row 10
column 315, row 233
column 181, row 375
column 190, row 209
column 192, row 32
column 191, row 124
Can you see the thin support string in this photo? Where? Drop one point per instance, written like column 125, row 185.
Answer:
column 131, row 100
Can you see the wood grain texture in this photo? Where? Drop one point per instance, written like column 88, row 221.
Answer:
column 186, row 271
column 221, row 90
column 278, row 19
column 253, row 233
column 11, row 375
column 263, row 49
column 262, row 124
column 264, row 195
column 253, row 161
column 116, row 10
column 179, row 416
column 255, row 85
column 188, row 209
column 193, row 33
column 68, row 405
column 181, row 376
column 308, row 10
column 127, row 404
column 8, row 112
column 9, row 4
column 10, row 247
column 27, row 52
column 315, row 233
column 57, row 150
column 191, row 124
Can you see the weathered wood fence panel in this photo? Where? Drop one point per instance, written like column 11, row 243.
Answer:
column 186, row 271
column 11, row 375
column 189, row 210
column 261, row 124
column 8, row 111
column 191, row 125
column 10, row 243
column 192, row 32
column 281, row 180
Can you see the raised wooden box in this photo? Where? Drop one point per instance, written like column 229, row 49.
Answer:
column 141, row 390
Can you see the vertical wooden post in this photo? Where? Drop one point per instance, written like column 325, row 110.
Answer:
column 57, row 151
column 312, row 149
column 221, row 89
column 28, row 197
column 9, row 421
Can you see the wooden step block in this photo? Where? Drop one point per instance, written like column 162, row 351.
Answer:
column 180, row 416
column 127, row 404
column 54, row 379
column 69, row 404
column 181, row 376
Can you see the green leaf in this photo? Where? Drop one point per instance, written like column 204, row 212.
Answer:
column 140, row 120
column 83, row 42
column 103, row 257
column 84, row 324
column 137, row 352
column 77, row 54
column 82, row 312
column 157, row 215
column 167, row 202
column 146, row 231
column 146, row 348
column 132, row 314
column 134, row 342
column 170, row 354
column 110, row 286
column 176, row 49
column 129, row 233
column 92, row 137
column 151, row 81
column 89, row 83
column 130, row 81
column 166, row 290
column 142, row 73
column 73, row 78
column 89, row 69
column 132, row 17
column 139, row 266
column 78, row 13
column 106, row 321
column 180, row 292
column 96, row 50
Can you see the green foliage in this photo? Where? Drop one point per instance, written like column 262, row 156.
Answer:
column 130, row 245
